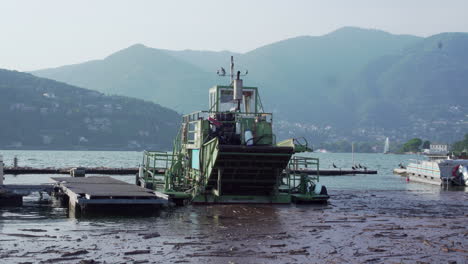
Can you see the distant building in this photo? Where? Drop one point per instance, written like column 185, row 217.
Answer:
column 49, row 95
column 438, row 148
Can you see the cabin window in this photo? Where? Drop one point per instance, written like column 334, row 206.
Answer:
column 226, row 96
column 192, row 132
column 226, row 102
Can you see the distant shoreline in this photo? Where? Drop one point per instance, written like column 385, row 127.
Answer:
column 77, row 149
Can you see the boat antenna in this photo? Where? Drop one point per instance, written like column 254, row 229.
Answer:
column 232, row 69
column 236, row 83
column 233, row 74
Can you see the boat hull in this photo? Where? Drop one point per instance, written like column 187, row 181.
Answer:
column 438, row 172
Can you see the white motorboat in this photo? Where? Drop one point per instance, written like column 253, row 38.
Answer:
column 440, row 170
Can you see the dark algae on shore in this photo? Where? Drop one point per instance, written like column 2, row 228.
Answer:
column 355, row 227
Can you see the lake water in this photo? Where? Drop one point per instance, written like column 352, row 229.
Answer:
column 384, row 164
column 347, row 230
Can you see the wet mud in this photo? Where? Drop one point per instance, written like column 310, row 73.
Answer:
column 354, row 227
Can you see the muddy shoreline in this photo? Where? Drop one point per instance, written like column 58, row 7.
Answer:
column 355, row 227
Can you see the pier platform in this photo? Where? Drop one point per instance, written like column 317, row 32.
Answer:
column 337, row 172
column 105, row 194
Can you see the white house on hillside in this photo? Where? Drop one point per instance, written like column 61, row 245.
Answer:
column 438, row 148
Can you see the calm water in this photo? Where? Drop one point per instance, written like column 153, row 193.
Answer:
column 384, row 164
column 241, row 233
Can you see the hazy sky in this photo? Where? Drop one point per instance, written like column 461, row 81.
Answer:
column 48, row 33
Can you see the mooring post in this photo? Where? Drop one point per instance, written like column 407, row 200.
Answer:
column 1, row 170
column 74, row 209
column 220, row 173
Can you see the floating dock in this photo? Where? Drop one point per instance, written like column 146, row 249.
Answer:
column 105, row 194
column 12, row 194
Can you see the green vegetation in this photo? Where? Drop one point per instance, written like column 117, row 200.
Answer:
column 461, row 146
column 413, row 145
column 38, row 113
column 426, row 144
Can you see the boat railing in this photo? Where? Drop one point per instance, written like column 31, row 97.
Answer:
column 201, row 115
column 209, row 152
column 437, row 157
column 157, row 159
column 156, row 163
column 298, row 172
column 415, row 161
column 424, row 167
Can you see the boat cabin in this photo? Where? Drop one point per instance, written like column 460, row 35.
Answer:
column 234, row 118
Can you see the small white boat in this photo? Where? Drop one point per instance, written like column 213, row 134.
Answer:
column 439, row 170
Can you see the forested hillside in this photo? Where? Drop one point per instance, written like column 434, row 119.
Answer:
column 38, row 113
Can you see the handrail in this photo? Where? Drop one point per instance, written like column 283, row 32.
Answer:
column 295, row 165
column 155, row 160
column 196, row 115
column 210, row 146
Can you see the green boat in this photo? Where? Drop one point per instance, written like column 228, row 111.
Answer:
column 229, row 154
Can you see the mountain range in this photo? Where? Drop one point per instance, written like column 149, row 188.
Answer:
column 39, row 113
column 351, row 84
